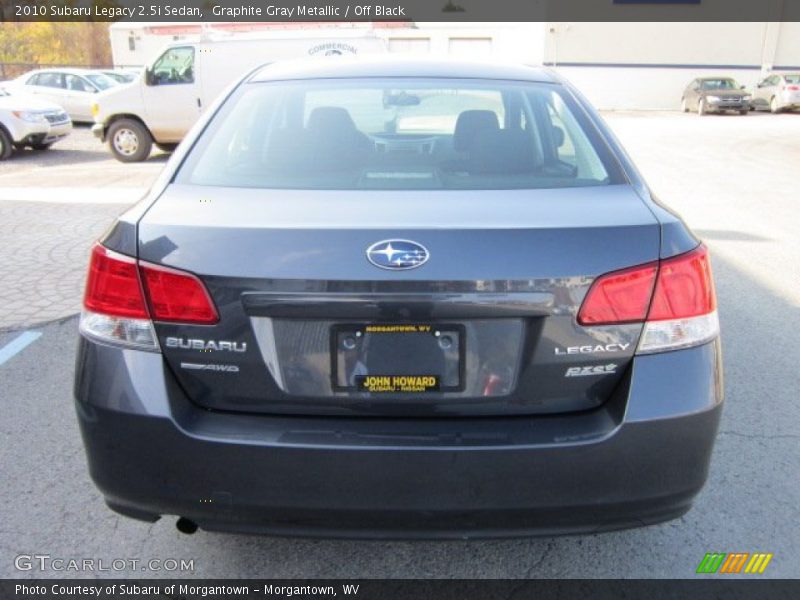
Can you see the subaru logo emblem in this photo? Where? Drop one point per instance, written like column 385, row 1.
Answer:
column 397, row 254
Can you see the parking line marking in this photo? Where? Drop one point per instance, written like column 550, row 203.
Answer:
column 18, row 344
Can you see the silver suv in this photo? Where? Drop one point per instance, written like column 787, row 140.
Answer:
column 31, row 122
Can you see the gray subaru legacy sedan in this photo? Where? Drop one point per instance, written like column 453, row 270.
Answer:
column 399, row 298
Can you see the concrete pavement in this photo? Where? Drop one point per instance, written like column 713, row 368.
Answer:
column 44, row 249
column 53, row 206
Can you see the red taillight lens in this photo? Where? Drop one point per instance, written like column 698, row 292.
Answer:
column 793, row 88
column 177, row 296
column 683, row 309
column 112, row 286
column 619, row 297
column 684, row 288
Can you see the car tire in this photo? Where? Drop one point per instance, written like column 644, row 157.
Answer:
column 744, row 111
column 773, row 106
column 6, row 145
column 166, row 147
column 701, row 107
column 129, row 140
column 684, row 105
column 41, row 146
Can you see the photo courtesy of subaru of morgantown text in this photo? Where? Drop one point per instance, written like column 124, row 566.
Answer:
column 399, row 297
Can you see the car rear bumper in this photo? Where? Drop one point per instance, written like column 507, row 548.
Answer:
column 639, row 459
column 790, row 99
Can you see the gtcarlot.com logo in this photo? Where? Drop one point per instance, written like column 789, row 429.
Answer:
column 46, row 562
column 734, row 562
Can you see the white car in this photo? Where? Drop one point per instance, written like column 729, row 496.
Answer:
column 121, row 76
column 777, row 92
column 74, row 89
column 27, row 121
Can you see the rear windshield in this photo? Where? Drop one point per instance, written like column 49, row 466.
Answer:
column 399, row 134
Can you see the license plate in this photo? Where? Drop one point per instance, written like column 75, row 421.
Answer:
column 398, row 358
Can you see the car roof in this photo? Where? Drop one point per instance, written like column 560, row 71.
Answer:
column 67, row 70
column 396, row 66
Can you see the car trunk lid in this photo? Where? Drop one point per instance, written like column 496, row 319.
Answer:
column 299, row 300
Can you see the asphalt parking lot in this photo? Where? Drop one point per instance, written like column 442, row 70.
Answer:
column 735, row 181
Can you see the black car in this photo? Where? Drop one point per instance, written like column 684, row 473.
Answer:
column 400, row 298
column 715, row 94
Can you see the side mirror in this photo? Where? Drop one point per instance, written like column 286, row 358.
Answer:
column 148, row 76
column 741, row 87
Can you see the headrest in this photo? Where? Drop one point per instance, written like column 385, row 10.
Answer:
column 507, row 152
column 331, row 119
column 471, row 124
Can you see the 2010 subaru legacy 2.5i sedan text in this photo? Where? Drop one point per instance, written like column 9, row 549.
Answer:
column 382, row 298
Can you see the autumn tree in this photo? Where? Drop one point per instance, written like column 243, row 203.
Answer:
column 44, row 42
column 50, row 43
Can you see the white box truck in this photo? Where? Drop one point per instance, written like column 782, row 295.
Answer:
column 173, row 90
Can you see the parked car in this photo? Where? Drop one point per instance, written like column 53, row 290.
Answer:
column 715, row 94
column 74, row 89
column 27, row 121
column 387, row 298
column 120, row 75
column 777, row 92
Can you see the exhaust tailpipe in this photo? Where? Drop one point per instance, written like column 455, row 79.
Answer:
column 186, row 526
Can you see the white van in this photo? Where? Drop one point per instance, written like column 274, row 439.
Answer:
column 170, row 94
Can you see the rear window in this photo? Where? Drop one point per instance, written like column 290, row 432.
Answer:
column 399, row 134
column 794, row 78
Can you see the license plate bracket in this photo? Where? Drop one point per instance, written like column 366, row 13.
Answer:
column 398, row 358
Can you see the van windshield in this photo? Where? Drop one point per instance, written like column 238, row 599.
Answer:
column 399, row 134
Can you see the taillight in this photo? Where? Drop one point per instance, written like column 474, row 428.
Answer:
column 619, row 297
column 674, row 297
column 684, row 287
column 112, row 286
column 122, row 296
column 793, row 88
column 176, row 296
column 683, row 312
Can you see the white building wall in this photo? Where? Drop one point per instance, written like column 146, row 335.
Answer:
column 647, row 65
column 659, row 43
column 787, row 48
column 515, row 42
